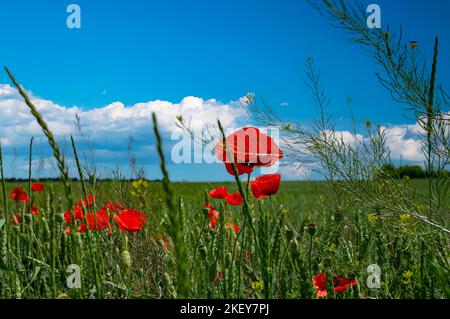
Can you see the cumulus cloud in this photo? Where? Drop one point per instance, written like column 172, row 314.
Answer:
column 109, row 127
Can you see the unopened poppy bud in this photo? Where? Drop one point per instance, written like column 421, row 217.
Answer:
column 203, row 251
column 289, row 234
column 228, row 260
column 312, row 229
column 126, row 259
column 166, row 280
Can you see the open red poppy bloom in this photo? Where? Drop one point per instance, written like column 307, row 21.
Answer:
column 37, row 187
column 102, row 221
column 18, row 195
column 130, row 220
column 88, row 202
column 35, row 210
column 234, row 199
column 320, row 283
column 213, row 216
column 78, row 211
column 256, row 191
column 236, row 228
column 219, row 192
column 112, row 207
column 91, row 220
column 265, row 185
column 248, row 148
column 341, row 284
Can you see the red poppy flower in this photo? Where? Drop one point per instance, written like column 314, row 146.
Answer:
column 37, row 187
column 256, row 191
column 78, row 211
column 234, row 199
column 88, row 202
column 320, row 283
column 68, row 217
column 67, row 231
column 265, row 185
column 130, row 220
column 213, row 217
column 236, row 228
column 219, row 192
column 15, row 220
column 35, row 210
column 112, row 207
column 341, row 284
column 218, row 278
column 241, row 168
column 18, row 195
column 164, row 242
column 102, row 220
column 248, row 148
column 91, row 220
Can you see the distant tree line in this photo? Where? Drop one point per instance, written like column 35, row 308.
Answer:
column 411, row 171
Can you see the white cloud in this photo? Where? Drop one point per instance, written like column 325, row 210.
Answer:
column 17, row 124
column 108, row 127
column 403, row 142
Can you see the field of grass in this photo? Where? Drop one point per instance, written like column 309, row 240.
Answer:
column 294, row 237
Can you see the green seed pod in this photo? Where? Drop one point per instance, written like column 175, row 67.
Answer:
column 289, row 234
column 167, row 281
column 203, row 251
column 312, row 229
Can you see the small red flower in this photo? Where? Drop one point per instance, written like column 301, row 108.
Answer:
column 67, row 231
column 219, row 192
column 88, row 202
column 18, row 195
column 130, row 220
column 265, row 185
column 113, row 207
column 320, row 283
column 236, row 228
column 78, row 211
column 91, row 223
column 37, row 187
column 218, row 278
column 164, row 242
column 15, row 220
column 213, row 217
column 234, row 199
column 35, row 210
column 102, row 220
column 341, row 284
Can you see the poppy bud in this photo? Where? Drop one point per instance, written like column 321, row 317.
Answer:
column 167, row 281
column 289, row 234
column 312, row 229
column 203, row 251
column 228, row 260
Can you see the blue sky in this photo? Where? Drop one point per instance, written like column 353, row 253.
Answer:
column 141, row 51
